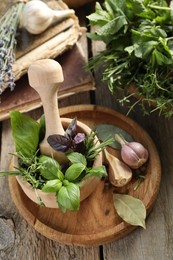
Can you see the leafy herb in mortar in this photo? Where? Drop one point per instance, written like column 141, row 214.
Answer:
column 64, row 181
column 44, row 172
column 139, row 49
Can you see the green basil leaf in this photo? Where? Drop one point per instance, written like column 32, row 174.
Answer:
column 74, row 171
column 105, row 130
column 77, row 158
column 68, row 197
column 52, row 186
column 25, row 131
column 130, row 209
column 49, row 167
column 60, row 175
column 42, row 127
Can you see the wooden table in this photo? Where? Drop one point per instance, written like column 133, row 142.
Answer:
column 19, row 241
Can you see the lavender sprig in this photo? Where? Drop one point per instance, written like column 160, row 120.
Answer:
column 8, row 27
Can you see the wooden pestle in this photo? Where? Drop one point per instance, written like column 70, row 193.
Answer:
column 44, row 76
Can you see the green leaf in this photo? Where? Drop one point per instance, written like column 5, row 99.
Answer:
column 25, row 131
column 60, row 175
column 145, row 50
column 74, row 171
column 143, row 58
column 100, row 17
column 171, row 10
column 136, row 6
column 105, row 130
column 99, row 171
column 115, row 6
column 49, row 167
column 42, row 127
column 130, row 209
column 68, row 197
column 159, row 58
column 112, row 27
column 52, row 186
column 75, row 157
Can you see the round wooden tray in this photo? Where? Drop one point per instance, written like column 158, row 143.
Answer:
column 97, row 221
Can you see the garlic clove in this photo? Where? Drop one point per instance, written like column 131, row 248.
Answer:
column 37, row 16
column 134, row 154
column 119, row 173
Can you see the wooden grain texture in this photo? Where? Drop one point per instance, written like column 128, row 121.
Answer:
column 154, row 243
column 96, row 222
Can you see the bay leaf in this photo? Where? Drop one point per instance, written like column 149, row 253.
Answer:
column 105, row 130
column 130, row 209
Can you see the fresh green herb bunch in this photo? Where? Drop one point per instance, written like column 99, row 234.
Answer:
column 9, row 24
column 139, row 50
column 44, row 172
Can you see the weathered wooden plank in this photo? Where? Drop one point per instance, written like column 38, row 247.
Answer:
column 156, row 241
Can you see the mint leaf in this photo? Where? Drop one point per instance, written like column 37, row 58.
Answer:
column 112, row 27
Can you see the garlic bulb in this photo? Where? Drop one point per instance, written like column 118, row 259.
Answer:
column 119, row 173
column 134, row 154
column 37, row 16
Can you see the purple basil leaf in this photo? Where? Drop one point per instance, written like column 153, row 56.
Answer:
column 60, row 142
column 80, row 137
column 71, row 129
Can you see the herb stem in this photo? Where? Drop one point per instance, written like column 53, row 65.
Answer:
column 169, row 38
column 159, row 7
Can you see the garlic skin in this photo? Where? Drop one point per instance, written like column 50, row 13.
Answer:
column 37, row 16
column 134, row 154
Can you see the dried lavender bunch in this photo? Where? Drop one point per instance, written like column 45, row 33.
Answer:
column 8, row 27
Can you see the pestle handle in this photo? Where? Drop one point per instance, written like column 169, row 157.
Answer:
column 44, row 76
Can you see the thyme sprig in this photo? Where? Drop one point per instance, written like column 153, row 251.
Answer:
column 30, row 168
column 9, row 25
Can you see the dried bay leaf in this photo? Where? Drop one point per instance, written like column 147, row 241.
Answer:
column 105, row 130
column 130, row 209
